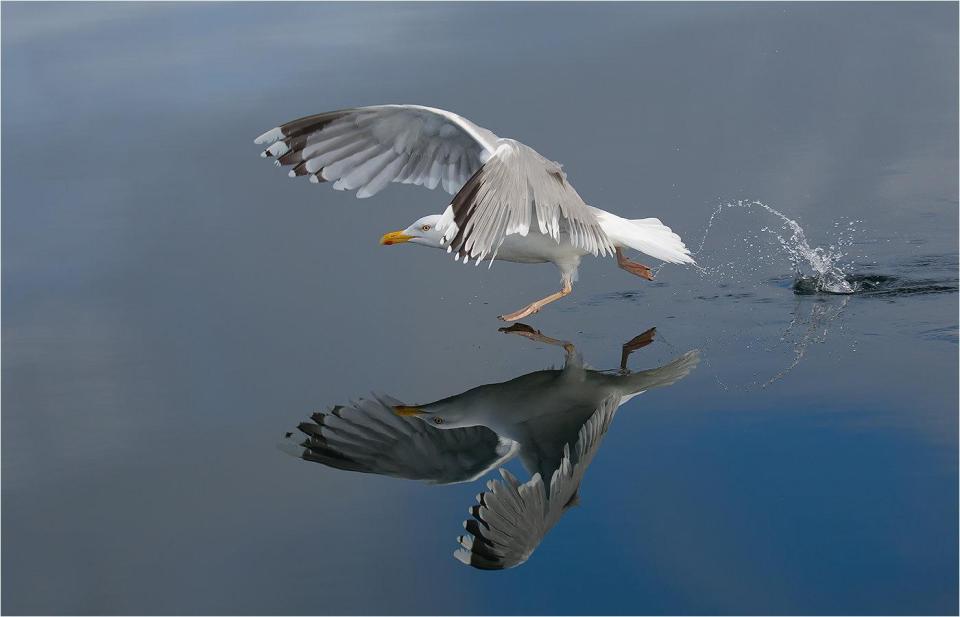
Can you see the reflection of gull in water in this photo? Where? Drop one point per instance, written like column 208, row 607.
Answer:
column 553, row 419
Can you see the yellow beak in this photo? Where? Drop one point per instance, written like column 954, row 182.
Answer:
column 395, row 237
column 404, row 410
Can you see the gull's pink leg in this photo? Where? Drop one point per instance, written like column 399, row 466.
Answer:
column 633, row 267
column 533, row 307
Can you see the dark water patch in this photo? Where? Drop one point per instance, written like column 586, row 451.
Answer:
column 917, row 276
column 815, row 285
column 880, row 285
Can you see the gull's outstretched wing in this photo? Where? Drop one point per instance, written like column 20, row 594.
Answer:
column 367, row 436
column 367, row 148
column 501, row 186
column 512, row 518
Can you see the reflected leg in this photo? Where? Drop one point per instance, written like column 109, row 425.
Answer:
column 535, row 335
column 638, row 342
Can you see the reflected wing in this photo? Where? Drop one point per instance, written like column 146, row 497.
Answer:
column 367, row 436
column 367, row 148
column 512, row 518
column 501, row 186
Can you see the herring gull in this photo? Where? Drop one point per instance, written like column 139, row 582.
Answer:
column 509, row 202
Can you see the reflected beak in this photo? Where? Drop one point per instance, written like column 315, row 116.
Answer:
column 395, row 237
column 406, row 411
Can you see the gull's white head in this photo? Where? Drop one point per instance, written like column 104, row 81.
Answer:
column 422, row 231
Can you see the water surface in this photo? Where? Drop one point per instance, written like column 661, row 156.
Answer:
column 173, row 306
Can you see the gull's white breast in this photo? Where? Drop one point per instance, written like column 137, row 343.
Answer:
column 536, row 248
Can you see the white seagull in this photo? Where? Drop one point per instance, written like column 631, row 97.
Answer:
column 510, row 203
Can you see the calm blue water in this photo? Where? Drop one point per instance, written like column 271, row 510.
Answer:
column 172, row 305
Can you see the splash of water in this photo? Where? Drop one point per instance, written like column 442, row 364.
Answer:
column 826, row 276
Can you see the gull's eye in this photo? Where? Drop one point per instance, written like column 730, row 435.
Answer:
column 437, row 420
column 426, row 228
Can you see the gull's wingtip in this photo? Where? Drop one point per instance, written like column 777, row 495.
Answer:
column 270, row 136
column 276, row 149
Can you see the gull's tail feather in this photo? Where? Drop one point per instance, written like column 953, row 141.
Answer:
column 649, row 236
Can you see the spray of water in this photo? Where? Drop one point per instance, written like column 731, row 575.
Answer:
column 823, row 263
